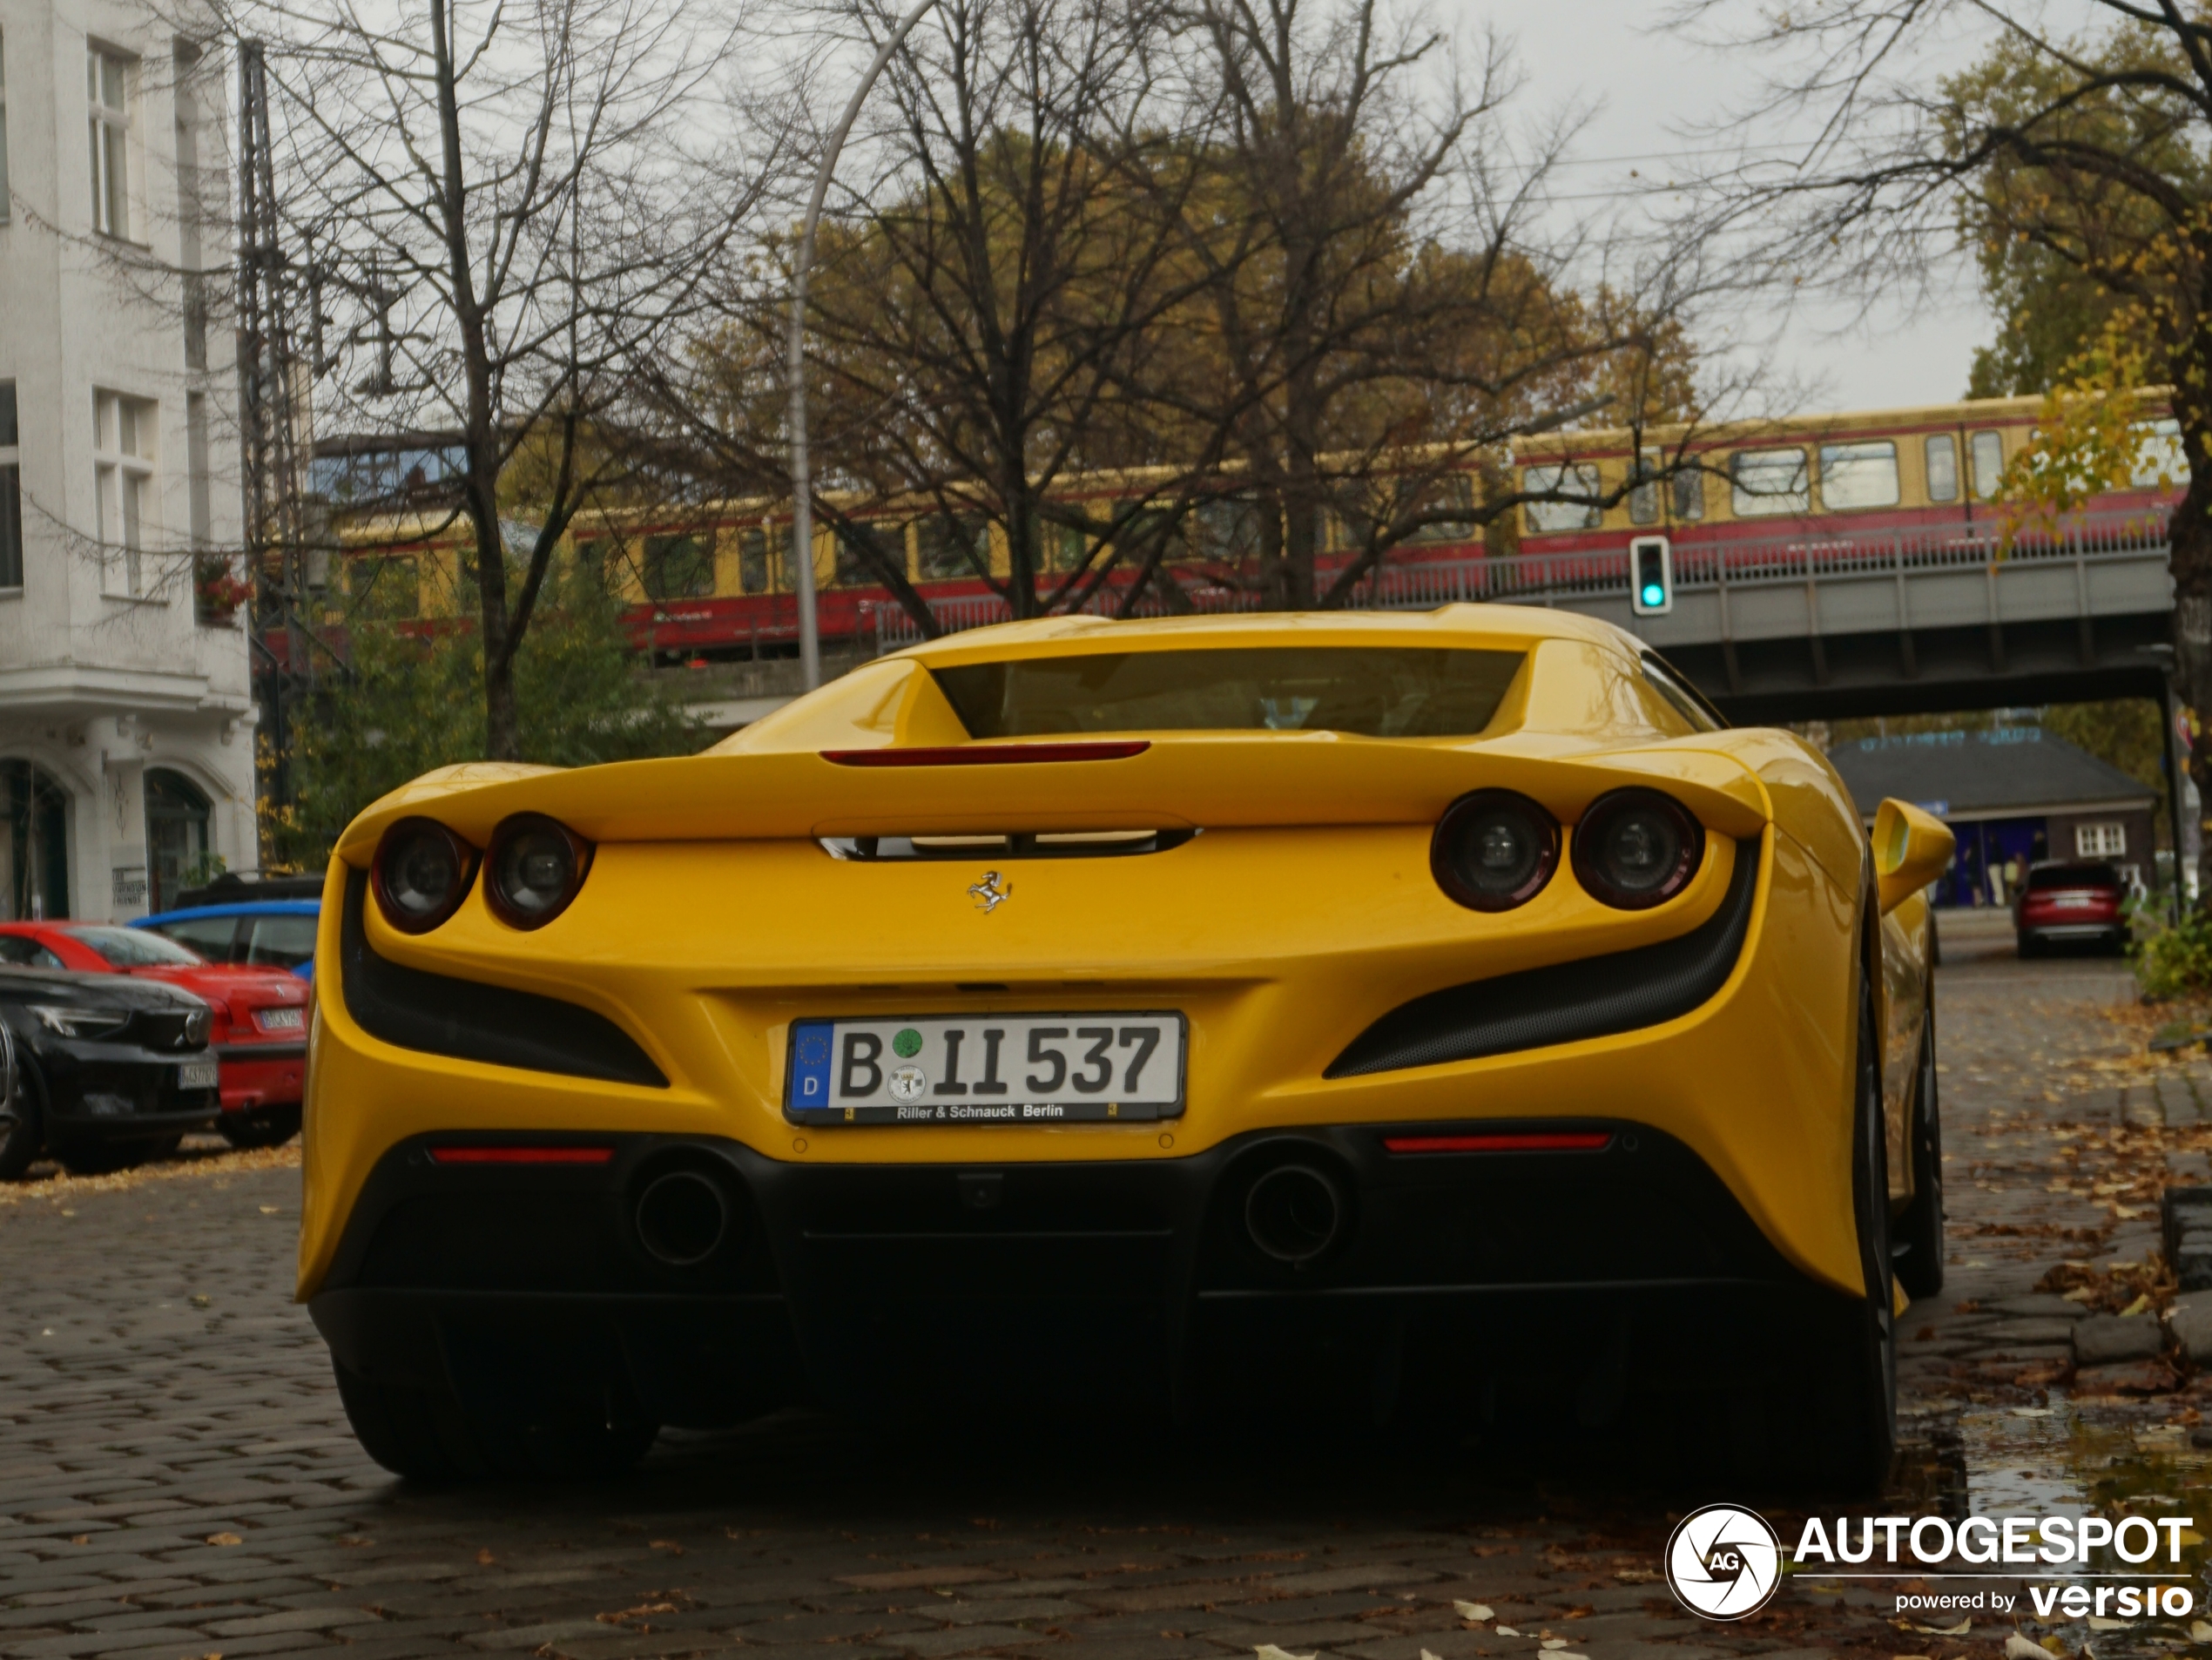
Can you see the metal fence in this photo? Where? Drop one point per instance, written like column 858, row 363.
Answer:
column 1553, row 579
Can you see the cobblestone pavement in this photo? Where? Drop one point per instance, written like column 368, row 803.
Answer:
column 176, row 1479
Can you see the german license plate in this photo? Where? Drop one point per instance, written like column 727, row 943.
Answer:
column 991, row 1068
column 280, row 1020
column 198, row 1075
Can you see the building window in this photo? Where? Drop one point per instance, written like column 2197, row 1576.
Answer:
column 11, row 493
column 2100, row 840
column 1577, row 478
column 107, row 84
column 1859, row 476
column 1986, row 450
column 122, row 444
column 1767, row 481
column 678, row 567
column 1942, row 453
column 4, row 128
column 34, row 844
column 177, row 818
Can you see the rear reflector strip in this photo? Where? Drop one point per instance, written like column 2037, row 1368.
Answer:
column 1576, row 1141
column 988, row 754
column 520, row 1154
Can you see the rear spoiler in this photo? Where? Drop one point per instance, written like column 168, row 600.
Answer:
column 1202, row 780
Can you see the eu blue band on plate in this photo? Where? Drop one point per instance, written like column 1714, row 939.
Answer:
column 810, row 1064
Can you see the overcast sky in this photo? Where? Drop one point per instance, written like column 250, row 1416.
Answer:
column 1599, row 51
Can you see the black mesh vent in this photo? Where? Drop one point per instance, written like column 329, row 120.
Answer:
column 1566, row 1001
column 471, row 1021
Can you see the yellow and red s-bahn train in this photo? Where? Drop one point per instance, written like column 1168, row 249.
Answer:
column 715, row 582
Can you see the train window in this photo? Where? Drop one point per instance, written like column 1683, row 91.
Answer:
column 383, row 587
column 1862, row 475
column 2159, row 464
column 1942, row 453
column 678, row 567
column 1768, row 481
column 1643, row 495
column 1060, row 547
column 1575, row 478
column 1226, row 529
column 1690, row 492
column 1986, row 450
column 854, row 567
column 954, row 546
column 753, row 560
column 1455, row 490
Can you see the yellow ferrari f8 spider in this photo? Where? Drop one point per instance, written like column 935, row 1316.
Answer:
column 1419, row 1019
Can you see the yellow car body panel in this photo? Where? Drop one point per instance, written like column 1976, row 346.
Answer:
column 713, row 916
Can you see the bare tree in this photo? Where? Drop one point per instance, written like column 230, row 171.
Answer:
column 982, row 290
column 502, row 208
column 1380, row 310
column 2070, row 157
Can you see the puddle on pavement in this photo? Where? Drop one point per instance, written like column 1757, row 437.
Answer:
column 2067, row 1458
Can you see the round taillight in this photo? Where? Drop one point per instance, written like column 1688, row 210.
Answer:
column 533, row 870
column 421, row 874
column 1493, row 850
column 1636, row 848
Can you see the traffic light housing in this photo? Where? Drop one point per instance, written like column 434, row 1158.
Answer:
column 1652, row 576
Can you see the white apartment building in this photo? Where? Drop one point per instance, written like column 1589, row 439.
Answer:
column 126, row 723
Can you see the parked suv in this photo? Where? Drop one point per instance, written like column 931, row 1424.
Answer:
column 110, row 1071
column 260, row 1014
column 2072, row 903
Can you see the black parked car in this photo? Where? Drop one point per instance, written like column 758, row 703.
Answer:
column 103, row 1071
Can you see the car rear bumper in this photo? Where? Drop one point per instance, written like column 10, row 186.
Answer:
column 1034, row 1288
column 262, row 1075
column 2111, row 929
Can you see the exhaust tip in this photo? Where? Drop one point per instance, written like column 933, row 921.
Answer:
column 1294, row 1213
column 682, row 1216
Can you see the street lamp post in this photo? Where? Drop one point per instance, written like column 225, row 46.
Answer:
column 802, row 500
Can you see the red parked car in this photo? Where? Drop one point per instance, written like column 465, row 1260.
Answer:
column 260, row 1014
column 2071, row 904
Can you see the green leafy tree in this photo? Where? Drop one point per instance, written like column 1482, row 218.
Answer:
column 413, row 701
column 2075, row 160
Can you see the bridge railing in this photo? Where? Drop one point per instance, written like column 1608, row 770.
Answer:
column 1555, row 578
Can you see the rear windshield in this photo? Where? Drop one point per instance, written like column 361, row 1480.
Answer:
column 1386, row 691
column 2073, row 876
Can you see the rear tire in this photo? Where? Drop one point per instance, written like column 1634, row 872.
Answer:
column 2029, row 947
column 23, row 1121
column 1863, row 1437
column 270, row 1128
column 1919, row 1232
column 424, row 1434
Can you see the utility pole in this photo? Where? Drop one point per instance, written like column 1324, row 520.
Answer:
column 802, row 499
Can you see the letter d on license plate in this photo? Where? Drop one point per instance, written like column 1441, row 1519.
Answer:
column 987, row 1069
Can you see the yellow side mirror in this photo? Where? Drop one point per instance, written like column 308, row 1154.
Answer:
column 1912, row 848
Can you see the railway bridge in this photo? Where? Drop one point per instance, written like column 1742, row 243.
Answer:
column 1804, row 628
